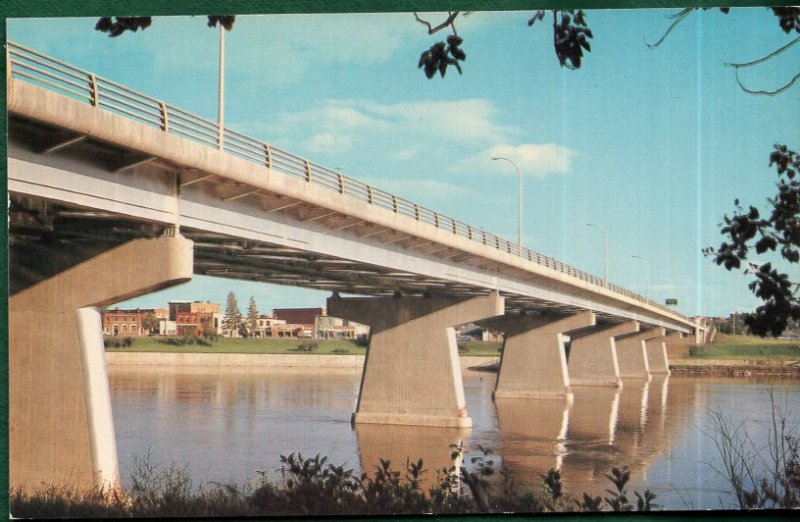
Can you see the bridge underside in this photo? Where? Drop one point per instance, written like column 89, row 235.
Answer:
column 109, row 194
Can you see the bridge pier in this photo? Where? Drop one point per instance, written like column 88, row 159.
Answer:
column 632, row 354
column 534, row 363
column 412, row 374
column 60, row 423
column 656, row 349
column 593, row 356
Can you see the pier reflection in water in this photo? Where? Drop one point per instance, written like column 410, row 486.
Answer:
column 404, row 444
column 228, row 423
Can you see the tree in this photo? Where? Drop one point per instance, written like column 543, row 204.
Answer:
column 150, row 323
column 232, row 320
column 746, row 231
column 252, row 317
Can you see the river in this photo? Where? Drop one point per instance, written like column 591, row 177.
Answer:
column 227, row 424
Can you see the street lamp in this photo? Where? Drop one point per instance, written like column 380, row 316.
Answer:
column 646, row 276
column 605, row 250
column 519, row 174
column 221, row 92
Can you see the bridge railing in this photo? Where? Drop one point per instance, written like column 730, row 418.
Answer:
column 35, row 67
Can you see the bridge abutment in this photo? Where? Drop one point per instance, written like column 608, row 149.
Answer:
column 534, row 364
column 412, row 374
column 60, row 424
column 656, row 349
column 632, row 354
column 593, row 356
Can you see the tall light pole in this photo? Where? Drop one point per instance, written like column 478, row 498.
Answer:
column 605, row 249
column 519, row 175
column 646, row 276
column 221, row 100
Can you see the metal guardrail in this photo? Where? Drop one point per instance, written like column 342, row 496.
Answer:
column 37, row 68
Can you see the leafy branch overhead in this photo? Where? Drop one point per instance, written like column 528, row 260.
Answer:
column 117, row 25
column 788, row 20
column 779, row 232
column 570, row 39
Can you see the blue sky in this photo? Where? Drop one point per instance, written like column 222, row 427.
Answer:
column 654, row 145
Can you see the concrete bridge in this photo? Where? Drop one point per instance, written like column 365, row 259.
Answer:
column 114, row 194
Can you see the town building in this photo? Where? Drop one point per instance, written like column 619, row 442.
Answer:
column 129, row 322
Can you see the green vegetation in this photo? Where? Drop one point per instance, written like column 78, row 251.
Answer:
column 239, row 345
column 480, row 349
column 270, row 345
column 728, row 346
column 312, row 486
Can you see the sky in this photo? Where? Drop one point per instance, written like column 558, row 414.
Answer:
column 654, row 145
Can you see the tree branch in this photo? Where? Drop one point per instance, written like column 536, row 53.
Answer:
column 767, row 93
column 448, row 22
column 765, row 58
column 678, row 19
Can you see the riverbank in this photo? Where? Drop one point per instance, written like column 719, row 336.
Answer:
column 735, row 367
column 261, row 362
column 256, row 362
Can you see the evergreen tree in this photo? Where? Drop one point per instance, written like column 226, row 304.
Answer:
column 252, row 317
column 233, row 317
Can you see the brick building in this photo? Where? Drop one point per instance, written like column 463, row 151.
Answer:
column 126, row 322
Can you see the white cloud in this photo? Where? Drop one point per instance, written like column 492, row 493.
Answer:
column 342, row 125
column 533, row 159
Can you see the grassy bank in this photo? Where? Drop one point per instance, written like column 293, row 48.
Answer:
column 746, row 347
column 275, row 346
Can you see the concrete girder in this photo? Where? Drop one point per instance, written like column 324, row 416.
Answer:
column 412, row 374
column 632, row 354
column 534, row 363
column 61, row 428
column 593, row 357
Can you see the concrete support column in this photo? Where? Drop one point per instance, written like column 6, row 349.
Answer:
column 534, row 362
column 632, row 354
column 60, row 425
column 412, row 374
column 593, row 356
column 656, row 349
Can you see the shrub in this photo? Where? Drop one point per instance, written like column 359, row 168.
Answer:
column 463, row 349
column 307, row 347
column 341, row 350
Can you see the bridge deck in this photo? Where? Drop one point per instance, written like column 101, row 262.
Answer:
column 87, row 150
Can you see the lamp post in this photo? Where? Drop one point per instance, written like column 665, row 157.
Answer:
column 646, row 276
column 519, row 175
column 605, row 249
column 221, row 93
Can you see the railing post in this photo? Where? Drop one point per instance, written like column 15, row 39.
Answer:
column 436, row 219
column 455, row 230
column 164, row 117
column 341, row 184
column 268, row 155
column 469, row 231
column 308, row 171
column 95, row 93
column 483, row 233
column 416, row 211
column 369, row 194
column 394, row 202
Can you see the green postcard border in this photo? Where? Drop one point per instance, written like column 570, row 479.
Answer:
column 68, row 8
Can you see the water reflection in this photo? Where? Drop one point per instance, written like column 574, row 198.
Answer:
column 401, row 444
column 534, row 430
column 227, row 423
